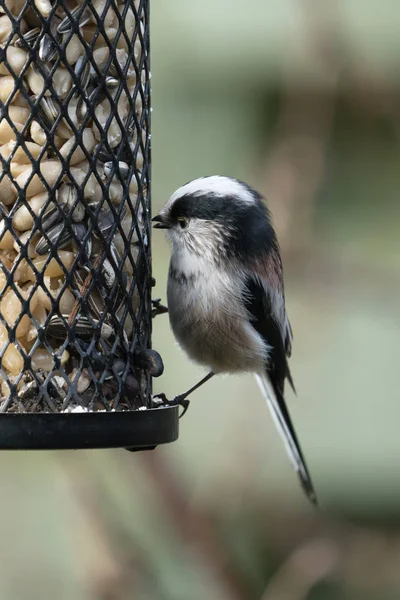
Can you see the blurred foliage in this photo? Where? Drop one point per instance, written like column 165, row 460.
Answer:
column 300, row 98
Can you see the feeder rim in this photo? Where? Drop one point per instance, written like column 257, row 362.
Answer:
column 131, row 429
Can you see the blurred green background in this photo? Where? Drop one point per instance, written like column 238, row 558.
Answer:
column 300, row 98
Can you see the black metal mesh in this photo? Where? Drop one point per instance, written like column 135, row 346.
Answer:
column 75, row 277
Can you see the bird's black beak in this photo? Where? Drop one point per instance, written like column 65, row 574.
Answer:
column 161, row 222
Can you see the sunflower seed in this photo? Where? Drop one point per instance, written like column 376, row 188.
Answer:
column 122, row 169
column 84, row 328
column 67, row 197
column 114, row 254
column 98, row 360
column 80, row 230
column 108, row 275
column 81, row 109
column 28, row 39
column 47, row 48
column 114, row 70
column 42, row 68
column 50, row 218
column 85, row 247
column 109, row 287
column 89, row 248
column 112, row 82
column 58, row 237
column 54, row 23
column 49, row 109
column 67, row 194
column 106, row 220
column 95, row 95
column 78, row 279
column 102, row 155
column 58, row 328
column 93, row 297
column 54, row 215
column 72, row 110
column 95, row 302
column 117, row 369
column 82, row 72
column 76, row 15
column 78, row 212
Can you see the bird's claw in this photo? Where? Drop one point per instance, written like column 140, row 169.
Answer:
column 157, row 308
column 181, row 401
column 177, row 401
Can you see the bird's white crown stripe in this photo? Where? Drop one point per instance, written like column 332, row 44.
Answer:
column 216, row 185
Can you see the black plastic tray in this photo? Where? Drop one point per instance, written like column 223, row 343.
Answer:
column 133, row 430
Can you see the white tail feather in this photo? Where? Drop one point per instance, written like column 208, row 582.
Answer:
column 286, row 434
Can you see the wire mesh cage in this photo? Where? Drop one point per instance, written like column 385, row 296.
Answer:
column 75, row 273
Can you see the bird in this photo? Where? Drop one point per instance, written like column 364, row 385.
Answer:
column 225, row 293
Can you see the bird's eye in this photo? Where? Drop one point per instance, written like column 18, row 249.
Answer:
column 182, row 222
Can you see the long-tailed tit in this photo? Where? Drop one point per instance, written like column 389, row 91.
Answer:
column 225, row 292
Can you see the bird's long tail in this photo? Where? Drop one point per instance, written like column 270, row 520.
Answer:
column 277, row 406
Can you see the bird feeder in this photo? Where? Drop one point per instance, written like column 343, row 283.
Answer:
column 76, row 363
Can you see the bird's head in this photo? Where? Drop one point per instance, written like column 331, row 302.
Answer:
column 215, row 215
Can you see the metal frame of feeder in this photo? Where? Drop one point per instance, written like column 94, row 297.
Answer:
column 45, row 407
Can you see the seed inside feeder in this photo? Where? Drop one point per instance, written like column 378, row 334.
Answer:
column 69, row 301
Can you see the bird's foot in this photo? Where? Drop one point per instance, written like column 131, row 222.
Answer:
column 157, row 308
column 177, row 401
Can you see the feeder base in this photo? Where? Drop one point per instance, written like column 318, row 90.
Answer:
column 133, row 430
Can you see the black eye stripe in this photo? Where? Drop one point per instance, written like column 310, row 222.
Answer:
column 204, row 207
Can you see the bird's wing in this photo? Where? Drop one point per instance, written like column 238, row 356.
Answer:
column 265, row 306
column 265, row 303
